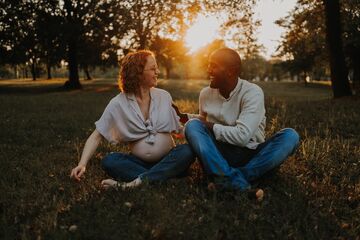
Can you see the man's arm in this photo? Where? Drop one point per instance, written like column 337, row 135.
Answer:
column 184, row 117
column 249, row 120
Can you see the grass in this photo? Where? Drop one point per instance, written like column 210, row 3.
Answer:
column 315, row 194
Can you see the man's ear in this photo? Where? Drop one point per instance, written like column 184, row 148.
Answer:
column 231, row 72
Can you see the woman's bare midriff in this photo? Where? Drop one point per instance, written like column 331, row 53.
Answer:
column 153, row 152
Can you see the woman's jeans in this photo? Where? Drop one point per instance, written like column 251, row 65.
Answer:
column 127, row 167
column 239, row 165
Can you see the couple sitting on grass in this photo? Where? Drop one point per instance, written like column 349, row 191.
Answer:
column 227, row 136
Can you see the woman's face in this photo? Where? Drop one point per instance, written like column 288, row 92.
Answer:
column 150, row 73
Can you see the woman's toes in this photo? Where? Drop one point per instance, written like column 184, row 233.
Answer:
column 108, row 183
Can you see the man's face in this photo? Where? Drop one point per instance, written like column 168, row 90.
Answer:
column 217, row 72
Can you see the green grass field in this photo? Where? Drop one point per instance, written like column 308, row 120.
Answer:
column 315, row 194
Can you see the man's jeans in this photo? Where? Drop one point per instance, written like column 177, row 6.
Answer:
column 239, row 165
column 127, row 167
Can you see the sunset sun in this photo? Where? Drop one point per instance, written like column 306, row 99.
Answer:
column 203, row 31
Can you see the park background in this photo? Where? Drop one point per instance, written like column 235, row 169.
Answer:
column 59, row 62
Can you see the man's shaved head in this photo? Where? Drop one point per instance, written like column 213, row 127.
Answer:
column 227, row 58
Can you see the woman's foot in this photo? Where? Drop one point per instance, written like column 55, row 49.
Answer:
column 135, row 183
column 110, row 183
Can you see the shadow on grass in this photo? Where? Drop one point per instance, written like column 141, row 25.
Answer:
column 180, row 209
column 52, row 88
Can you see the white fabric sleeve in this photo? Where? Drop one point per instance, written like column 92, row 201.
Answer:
column 106, row 125
column 250, row 117
column 193, row 115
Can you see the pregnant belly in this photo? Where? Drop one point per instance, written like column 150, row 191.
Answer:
column 153, row 152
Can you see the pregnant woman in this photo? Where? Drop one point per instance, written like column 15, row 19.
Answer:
column 142, row 116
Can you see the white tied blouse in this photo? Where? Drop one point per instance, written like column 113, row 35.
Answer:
column 122, row 120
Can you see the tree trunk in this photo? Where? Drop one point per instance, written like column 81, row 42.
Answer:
column 87, row 73
column 356, row 75
column 24, row 72
column 339, row 74
column 48, row 69
column 73, row 36
column 33, row 70
column 15, row 72
column 73, row 82
column 167, row 70
column 142, row 43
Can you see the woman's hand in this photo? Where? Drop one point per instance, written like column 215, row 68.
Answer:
column 89, row 149
column 77, row 172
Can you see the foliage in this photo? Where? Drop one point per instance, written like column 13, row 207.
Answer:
column 93, row 33
column 315, row 194
column 169, row 54
column 256, row 67
column 304, row 43
column 149, row 17
column 18, row 41
column 198, row 63
column 239, row 26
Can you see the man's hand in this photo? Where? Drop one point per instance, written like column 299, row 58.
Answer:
column 77, row 172
column 183, row 116
column 209, row 125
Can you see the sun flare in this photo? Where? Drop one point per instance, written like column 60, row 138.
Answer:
column 203, row 31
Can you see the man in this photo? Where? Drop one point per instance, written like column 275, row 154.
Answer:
column 228, row 135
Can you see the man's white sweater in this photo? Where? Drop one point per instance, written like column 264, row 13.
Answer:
column 239, row 120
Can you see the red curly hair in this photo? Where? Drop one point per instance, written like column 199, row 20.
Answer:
column 131, row 70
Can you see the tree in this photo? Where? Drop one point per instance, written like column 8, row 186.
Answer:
column 52, row 46
column 150, row 17
column 303, row 44
column 168, row 53
column 339, row 73
column 350, row 13
column 82, row 22
column 18, row 39
column 255, row 67
column 240, row 25
column 308, row 29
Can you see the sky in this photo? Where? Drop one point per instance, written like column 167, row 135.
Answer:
column 268, row 11
column 205, row 28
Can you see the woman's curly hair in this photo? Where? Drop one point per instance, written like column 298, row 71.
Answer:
column 131, row 70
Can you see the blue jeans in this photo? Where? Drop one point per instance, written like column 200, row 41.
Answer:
column 239, row 165
column 127, row 167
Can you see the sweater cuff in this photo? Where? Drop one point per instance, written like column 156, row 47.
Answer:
column 217, row 131
column 191, row 115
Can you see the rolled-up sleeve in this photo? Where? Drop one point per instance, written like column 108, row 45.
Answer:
column 106, row 125
column 250, row 117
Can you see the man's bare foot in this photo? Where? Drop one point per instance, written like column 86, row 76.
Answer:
column 257, row 194
column 211, row 187
column 110, row 183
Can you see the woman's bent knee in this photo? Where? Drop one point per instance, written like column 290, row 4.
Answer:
column 186, row 153
column 108, row 161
